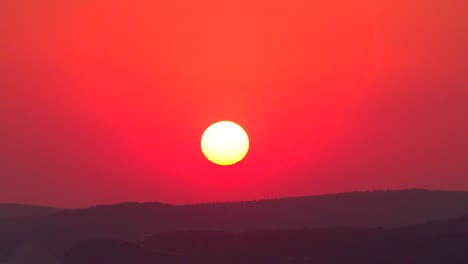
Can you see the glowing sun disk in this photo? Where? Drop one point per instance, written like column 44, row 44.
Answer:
column 225, row 143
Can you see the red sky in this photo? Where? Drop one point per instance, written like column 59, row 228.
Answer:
column 105, row 101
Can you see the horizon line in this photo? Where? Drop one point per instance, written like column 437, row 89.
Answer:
column 230, row 201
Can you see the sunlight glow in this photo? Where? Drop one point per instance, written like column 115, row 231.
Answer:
column 225, row 143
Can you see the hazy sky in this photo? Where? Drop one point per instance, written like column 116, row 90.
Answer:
column 105, row 101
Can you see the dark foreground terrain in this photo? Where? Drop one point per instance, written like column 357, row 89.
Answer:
column 412, row 226
column 279, row 246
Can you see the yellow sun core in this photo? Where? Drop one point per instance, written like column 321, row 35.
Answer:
column 225, row 143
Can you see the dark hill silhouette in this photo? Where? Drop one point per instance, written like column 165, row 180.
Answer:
column 109, row 251
column 20, row 210
column 439, row 228
column 299, row 246
column 358, row 209
column 133, row 221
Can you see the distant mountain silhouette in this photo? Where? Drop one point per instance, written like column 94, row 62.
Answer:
column 54, row 234
column 20, row 210
column 358, row 210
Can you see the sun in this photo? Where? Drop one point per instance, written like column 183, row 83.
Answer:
column 225, row 143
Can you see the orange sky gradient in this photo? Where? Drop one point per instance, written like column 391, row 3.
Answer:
column 106, row 101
